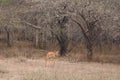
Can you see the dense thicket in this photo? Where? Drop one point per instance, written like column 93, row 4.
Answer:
column 66, row 23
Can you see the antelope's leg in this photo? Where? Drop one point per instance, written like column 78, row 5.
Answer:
column 53, row 62
column 46, row 62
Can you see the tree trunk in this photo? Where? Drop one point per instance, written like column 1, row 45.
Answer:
column 90, row 53
column 63, row 44
column 87, row 41
column 9, row 37
column 63, row 49
column 36, row 38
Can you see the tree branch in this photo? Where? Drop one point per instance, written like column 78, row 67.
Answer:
column 31, row 25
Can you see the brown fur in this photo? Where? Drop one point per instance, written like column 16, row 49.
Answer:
column 51, row 58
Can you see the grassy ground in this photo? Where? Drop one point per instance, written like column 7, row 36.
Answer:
column 23, row 62
column 34, row 69
column 106, row 54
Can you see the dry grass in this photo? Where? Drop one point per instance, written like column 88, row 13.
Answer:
column 107, row 54
column 3, row 70
column 63, row 70
column 102, row 58
column 21, row 50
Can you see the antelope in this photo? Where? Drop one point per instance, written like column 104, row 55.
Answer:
column 51, row 58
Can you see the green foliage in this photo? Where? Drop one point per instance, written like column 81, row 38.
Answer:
column 5, row 2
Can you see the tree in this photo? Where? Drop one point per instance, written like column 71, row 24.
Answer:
column 86, row 20
column 61, row 36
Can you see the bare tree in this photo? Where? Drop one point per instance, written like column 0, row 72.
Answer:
column 9, row 33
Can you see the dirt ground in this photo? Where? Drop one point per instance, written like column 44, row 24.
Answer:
column 27, row 69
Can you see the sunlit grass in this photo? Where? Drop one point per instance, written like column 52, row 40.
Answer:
column 3, row 70
column 56, row 75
